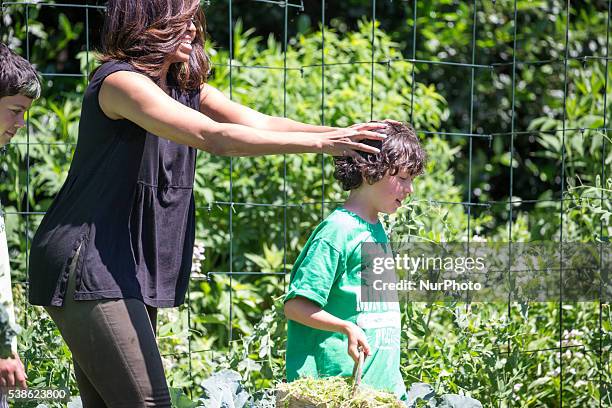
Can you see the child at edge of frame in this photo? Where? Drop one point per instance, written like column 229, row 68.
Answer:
column 19, row 87
column 327, row 317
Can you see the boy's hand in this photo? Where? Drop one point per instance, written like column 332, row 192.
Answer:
column 356, row 339
column 308, row 313
column 12, row 373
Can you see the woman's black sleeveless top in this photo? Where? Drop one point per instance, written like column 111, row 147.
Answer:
column 128, row 201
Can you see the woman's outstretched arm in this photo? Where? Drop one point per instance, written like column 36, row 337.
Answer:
column 132, row 96
column 217, row 106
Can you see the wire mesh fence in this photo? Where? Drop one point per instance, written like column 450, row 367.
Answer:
column 471, row 135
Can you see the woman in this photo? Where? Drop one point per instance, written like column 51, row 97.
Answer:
column 117, row 242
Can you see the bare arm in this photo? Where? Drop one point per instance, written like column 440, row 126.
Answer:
column 12, row 372
column 131, row 96
column 309, row 314
column 215, row 105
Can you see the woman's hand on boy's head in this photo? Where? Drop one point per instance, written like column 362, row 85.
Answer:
column 356, row 339
column 393, row 122
column 345, row 141
column 376, row 125
column 368, row 126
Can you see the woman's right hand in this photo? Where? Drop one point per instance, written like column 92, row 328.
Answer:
column 345, row 141
column 356, row 339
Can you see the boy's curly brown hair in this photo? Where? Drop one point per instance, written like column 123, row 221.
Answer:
column 401, row 150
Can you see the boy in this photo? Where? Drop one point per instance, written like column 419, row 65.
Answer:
column 323, row 303
column 19, row 86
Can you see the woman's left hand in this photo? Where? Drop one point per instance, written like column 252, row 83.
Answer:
column 369, row 126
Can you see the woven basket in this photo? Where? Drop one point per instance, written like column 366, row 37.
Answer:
column 283, row 400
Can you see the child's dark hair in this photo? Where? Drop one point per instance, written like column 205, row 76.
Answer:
column 17, row 76
column 400, row 151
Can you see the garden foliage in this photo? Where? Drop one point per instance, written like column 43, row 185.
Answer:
column 499, row 354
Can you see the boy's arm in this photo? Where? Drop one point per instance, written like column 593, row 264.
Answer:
column 310, row 314
column 12, row 372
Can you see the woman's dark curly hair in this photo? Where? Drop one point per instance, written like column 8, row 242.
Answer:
column 400, row 151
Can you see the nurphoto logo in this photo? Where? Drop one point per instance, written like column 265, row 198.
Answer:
column 486, row 272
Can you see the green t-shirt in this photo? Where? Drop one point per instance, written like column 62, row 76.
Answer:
column 328, row 272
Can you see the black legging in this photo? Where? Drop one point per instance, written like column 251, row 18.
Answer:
column 116, row 358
